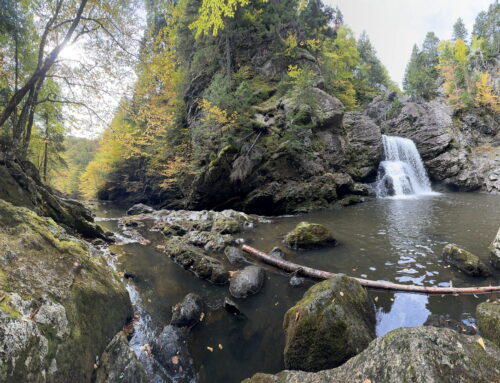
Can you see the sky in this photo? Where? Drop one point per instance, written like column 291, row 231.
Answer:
column 395, row 25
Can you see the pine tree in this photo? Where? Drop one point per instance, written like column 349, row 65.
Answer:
column 459, row 30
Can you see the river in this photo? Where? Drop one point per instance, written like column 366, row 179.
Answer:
column 397, row 240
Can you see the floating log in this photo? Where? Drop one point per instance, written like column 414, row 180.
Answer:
column 321, row 274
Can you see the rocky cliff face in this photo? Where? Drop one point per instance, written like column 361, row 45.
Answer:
column 329, row 163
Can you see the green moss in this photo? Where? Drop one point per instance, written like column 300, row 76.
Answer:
column 309, row 235
column 7, row 307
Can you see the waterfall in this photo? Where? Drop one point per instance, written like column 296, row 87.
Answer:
column 402, row 171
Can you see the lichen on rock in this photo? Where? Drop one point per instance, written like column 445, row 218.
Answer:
column 309, row 235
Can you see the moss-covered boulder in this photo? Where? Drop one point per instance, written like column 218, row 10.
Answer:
column 488, row 320
column 196, row 260
column 409, row 354
column 60, row 304
column 334, row 321
column 309, row 236
column 495, row 251
column 469, row 263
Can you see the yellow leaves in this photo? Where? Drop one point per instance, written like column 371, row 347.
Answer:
column 211, row 14
column 294, row 71
column 291, row 43
column 461, row 52
column 485, row 95
column 212, row 113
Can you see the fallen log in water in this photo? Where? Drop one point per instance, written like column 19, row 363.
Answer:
column 321, row 274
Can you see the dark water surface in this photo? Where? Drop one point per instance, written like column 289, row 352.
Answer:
column 397, row 240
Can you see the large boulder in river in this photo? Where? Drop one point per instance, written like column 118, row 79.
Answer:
column 495, row 251
column 247, row 282
column 309, row 236
column 469, row 263
column 60, row 303
column 119, row 364
column 334, row 321
column 488, row 320
column 140, row 208
column 196, row 260
column 409, row 354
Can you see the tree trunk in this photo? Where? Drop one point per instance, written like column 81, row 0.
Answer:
column 45, row 148
column 320, row 274
column 228, row 56
column 41, row 72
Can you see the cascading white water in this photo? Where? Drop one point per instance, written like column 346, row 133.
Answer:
column 402, row 171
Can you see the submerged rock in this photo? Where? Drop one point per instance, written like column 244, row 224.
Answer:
column 188, row 313
column 119, row 364
column 140, row 208
column 334, row 321
column 495, row 251
column 488, row 320
column 408, row 354
column 61, row 305
column 444, row 321
column 170, row 350
column 309, row 236
column 277, row 252
column 465, row 261
column 295, row 280
column 247, row 282
column 234, row 255
column 231, row 307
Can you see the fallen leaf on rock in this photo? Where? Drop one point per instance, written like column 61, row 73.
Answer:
column 375, row 299
column 480, row 341
column 220, row 346
column 297, row 316
column 202, row 316
column 175, row 359
column 232, row 273
column 95, row 366
column 367, row 381
column 211, row 349
column 341, row 294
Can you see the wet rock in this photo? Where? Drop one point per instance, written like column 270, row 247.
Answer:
column 129, row 275
column 171, row 229
column 119, row 364
column 277, row 252
column 235, row 255
column 465, row 261
column 444, row 321
column 495, row 251
column 309, row 236
column 488, row 320
column 52, row 287
column 408, row 354
column 334, row 321
column 99, row 242
column 247, row 282
column 195, row 260
column 296, row 281
column 140, row 208
column 170, row 349
column 188, row 312
column 231, row 307
column 227, row 226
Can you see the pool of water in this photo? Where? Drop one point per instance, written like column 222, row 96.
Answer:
column 398, row 240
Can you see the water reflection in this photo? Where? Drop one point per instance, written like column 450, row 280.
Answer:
column 407, row 310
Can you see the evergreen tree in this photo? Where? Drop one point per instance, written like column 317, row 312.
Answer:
column 487, row 30
column 459, row 30
column 374, row 71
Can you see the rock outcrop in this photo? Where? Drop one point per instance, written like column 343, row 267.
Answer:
column 411, row 354
column 334, row 321
column 309, row 236
column 465, row 261
column 21, row 186
column 60, row 303
column 488, row 320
